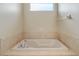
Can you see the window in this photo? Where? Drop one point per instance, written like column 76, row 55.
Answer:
column 41, row 7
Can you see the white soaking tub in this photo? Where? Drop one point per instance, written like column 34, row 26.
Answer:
column 39, row 44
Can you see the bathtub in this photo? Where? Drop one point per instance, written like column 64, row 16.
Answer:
column 40, row 44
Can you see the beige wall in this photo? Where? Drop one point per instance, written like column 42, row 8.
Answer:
column 35, row 25
column 69, row 28
column 10, row 24
column 0, row 47
column 39, row 24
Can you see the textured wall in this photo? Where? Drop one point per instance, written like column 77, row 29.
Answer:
column 69, row 28
column 10, row 24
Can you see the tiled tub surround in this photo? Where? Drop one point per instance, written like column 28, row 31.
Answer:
column 36, row 47
column 33, row 47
